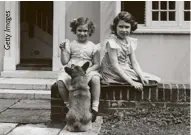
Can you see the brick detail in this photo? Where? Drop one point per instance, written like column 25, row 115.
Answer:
column 182, row 93
column 160, row 92
column 126, row 97
column 57, row 106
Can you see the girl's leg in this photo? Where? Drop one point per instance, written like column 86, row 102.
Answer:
column 95, row 92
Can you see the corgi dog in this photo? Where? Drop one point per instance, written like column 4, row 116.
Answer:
column 79, row 116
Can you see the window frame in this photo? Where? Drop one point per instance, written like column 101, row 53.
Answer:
column 178, row 27
column 183, row 24
column 151, row 23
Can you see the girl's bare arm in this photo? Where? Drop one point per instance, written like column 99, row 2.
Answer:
column 136, row 66
column 65, row 55
column 96, row 63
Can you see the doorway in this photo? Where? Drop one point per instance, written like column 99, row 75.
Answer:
column 36, row 35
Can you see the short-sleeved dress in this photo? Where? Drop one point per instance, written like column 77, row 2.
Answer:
column 79, row 54
column 109, row 75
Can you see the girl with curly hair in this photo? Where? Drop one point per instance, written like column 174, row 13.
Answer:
column 78, row 52
column 117, row 57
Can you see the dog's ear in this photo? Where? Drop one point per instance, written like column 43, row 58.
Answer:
column 85, row 66
column 68, row 70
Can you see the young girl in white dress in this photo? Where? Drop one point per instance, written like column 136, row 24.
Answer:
column 117, row 56
column 78, row 52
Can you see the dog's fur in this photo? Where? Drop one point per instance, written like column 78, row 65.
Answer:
column 79, row 117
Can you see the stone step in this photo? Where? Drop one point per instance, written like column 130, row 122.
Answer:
column 25, row 94
column 26, row 83
column 30, row 74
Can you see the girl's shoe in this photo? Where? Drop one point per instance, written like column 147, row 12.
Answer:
column 94, row 115
column 66, row 109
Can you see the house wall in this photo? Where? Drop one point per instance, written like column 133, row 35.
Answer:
column 167, row 56
column 89, row 9
column 2, row 22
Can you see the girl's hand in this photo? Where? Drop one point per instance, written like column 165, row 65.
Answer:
column 144, row 80
column 137, row 85
column 62, row 45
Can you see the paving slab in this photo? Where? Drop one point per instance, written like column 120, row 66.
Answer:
column 6, row 128
column 32, row 104
column 96, row 127
column 5, row 103
column 34, row 130
column 25, row 116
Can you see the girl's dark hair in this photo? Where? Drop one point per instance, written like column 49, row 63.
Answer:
column 127, row 17
column 81, row 21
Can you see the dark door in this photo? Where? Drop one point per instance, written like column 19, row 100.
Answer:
column 36, row 39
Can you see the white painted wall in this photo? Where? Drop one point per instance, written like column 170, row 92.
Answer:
column 90, row 9
column 167, row 56
column 2, row 23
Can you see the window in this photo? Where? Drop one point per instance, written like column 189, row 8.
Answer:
column 163, row 14
column 163, row 11
column 130, row 7
column 186, row 10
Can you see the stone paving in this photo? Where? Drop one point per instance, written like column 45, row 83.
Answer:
column 32, row 117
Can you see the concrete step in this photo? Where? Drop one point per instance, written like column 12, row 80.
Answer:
column 26, row 83
column 25, row 88
column 25, row 94
column 30, row 74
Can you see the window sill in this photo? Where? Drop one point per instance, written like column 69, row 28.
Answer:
column 162, row 30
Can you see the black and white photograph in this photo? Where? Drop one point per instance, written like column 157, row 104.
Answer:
column 95, row 67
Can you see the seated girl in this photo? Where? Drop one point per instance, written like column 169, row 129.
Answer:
column 78, row 52
column 117, row 57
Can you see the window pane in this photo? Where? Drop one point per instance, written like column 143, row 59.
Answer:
column 171, row 5
column 163, row 16
column 163, row 4
column 186, row 4
column 155, row 16
column 139, row 14
column 187, row 16
column 155, row 5
column 171, row 16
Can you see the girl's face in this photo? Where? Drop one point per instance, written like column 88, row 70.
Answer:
column 123, row 29
column 82, row 33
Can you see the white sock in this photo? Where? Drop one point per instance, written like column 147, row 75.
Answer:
column 95, row 105
column 67, row 104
